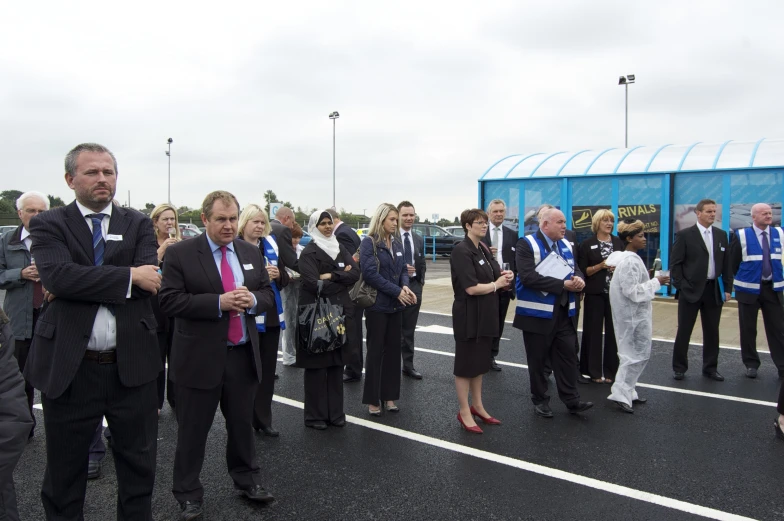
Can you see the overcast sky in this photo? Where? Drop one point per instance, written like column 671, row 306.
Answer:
column 430, row 94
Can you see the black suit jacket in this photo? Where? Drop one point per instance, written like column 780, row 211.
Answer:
column 63, row 250
column 190, row 293
column 736, row 257
column 591, row 255
column 420, row 265
column 286, row 248
column 508, row 247
column 526, row 267
column 347, row 238
column 689, row 263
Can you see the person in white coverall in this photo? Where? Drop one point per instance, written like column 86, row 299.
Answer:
column 631, row 293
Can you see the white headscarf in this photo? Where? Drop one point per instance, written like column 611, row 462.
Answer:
column 330, row 244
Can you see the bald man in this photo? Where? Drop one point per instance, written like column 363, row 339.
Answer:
column 755, row 257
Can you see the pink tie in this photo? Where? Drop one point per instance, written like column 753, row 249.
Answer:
column 227, row 276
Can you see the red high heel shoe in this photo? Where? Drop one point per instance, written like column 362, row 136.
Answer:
column 475, row 429
column 487, row 420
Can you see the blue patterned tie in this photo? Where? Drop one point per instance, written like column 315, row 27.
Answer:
column 98, row 243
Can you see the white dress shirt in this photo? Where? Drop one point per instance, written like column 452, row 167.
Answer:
column 26, row 239
column 104, row 334
column 499, row 256
column 758, row 233
column 707, row 236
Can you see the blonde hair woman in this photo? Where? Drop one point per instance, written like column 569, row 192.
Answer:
column 384, row 268
column 254, row 227
column 167, row 232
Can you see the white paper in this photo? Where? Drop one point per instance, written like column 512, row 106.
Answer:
column 554, row 266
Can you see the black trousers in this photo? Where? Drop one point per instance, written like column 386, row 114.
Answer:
column 382, row 372
column 324, row 395
column 195, row 413
column 409, row 322
column 710, row 315
column 780, row 405
column 772, row 317
column 70, row 421
column 262, row 406
column 594, row 360
column 353, row 353
column 504, row 298
column 558, row 348
column 165, row 385
column 21, row 350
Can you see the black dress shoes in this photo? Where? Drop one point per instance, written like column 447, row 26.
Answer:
column 191, row 510
column 543, row 410
column 582, row 379
column 625, row 408
column 580, row 407
column 267, row 431
column 715, row 375
column 751, row 372
column 777, row 427
column 257, row 493
column 348, row 378
column 640, row 400
column 678, row 376
column 494, row 366
column 93, row 469
column 339, row 423
column 413, row 373
column 318, row 425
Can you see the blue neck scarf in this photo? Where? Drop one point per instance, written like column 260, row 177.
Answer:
column 270, row 257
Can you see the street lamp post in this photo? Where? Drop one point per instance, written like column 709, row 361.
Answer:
column 626, row 81
column 333, row 116
column 168, row 154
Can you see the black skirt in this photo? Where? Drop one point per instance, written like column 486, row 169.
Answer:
column 473, row 357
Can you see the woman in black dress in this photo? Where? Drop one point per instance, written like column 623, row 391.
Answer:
column 476, row 277
column 323, row 259
column 597, row 311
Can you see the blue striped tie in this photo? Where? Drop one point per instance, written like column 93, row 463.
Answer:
column 98, row 243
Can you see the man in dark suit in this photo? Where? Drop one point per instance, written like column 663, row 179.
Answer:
column 502, row 242
column 95, row 350
column 413, row 251
column 19, row 278
column 700, row 257
column 353, row 354
column 214, row 286
column 281, row 229
column 545, row 306
column 759, row 283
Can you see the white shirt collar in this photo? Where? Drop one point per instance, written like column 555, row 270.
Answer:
column 214, row 246
column 409, row 232
column 702, row 228
column 86, row 211
column 758, row 231
column 25, row 234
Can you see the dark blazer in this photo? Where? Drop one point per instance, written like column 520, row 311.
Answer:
column 347, row 238
column 190, row 293
column 420, row 265
column 388, row 276
column 63, row 250
column 531, row 279
column 736, row 257
column 473, row 316
column 689, row 263
column 571, row 236
column 591, row 255
column 510, row 239
column 287, row 252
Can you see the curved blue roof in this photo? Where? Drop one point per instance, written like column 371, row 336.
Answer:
column 764, row 153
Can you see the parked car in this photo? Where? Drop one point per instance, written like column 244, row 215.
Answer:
column 189, row 233
column 305, row 239
column 190, row 226
column 445, row 241
column 362, row 231
column 6, row 228
column 457, row 231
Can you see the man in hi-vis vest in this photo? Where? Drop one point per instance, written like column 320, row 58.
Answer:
column 545, row 307
column 759, row 283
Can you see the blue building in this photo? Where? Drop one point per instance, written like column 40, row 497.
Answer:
column 659, row 185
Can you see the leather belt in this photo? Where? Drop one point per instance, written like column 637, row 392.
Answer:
column 102, row 357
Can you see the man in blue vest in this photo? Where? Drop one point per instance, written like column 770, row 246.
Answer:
column 545, row 307
column 759, row 283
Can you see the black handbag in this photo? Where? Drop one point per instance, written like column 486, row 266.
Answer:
column 322, row 325
column 362, row 293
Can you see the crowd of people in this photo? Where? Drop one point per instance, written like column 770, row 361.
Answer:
column 100, row 299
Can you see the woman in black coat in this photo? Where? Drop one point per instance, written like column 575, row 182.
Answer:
column 476, row 277
column 384, row 268
column 323, row 259
column 600, row 365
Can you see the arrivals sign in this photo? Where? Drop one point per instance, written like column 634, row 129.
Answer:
column 649, row 214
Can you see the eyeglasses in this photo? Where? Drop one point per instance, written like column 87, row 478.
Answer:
column 479, row 223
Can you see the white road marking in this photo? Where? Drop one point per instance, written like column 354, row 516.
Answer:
column 441, row 330
column 577, row 479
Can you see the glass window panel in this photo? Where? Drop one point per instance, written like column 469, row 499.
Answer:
column 587, row 192
column 526, row 164
column 550, row 167
column 736, row 155
column 637, row 160
column 770, row 153
column 668, row 159
column 691, row 188
column 751, row 188
column 578, row 165
column 701, row 157
column 607, row 162
column 639, row 197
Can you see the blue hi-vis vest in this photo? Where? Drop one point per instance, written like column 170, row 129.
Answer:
column 750, row 271
column 533, row 303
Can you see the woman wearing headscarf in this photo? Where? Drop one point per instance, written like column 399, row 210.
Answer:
column 384, row 268
column 631, row 293
column 325, row 260
column 167, row 232
column 254, row 227
column 600, row 364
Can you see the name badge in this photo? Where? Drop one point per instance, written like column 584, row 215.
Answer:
column 113, row 237
column 270, row 252
column 513, row 248
column 776, row 240
column 594, row 246
column 341, row 265
column 399, row 254
column 722, row 248
column 247, row 266
column 481, row 262
column 778, row 250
